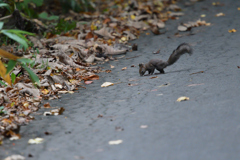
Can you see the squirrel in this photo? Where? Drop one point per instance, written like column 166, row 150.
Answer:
column 160, row 64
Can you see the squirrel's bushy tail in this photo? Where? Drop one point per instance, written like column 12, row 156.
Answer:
column 181, row 49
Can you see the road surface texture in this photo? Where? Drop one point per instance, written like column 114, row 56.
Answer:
column 146, row 117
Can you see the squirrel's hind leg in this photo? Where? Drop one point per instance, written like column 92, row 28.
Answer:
column 162, row 71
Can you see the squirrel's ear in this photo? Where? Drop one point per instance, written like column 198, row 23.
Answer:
column 140, row 64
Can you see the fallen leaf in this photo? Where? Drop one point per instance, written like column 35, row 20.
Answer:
column 88, row 82
column 47, row 105
column 45, row 91
column 124, row 68
column 92, row 77
column 35, row 141
column 111, row 66
column 58, row 85
column 183, row 99
column 15, row 157
column 232, row 30
column 153, row 77
column 108, row 71
column 64, row 92
column 182, row 28
column 115, row 142
column 203, row 15
column 220, row 14
column 143, row 126
column 106, row 84
column 191, row 85
column 104, row 32
column 156, row 52
column 133, row 17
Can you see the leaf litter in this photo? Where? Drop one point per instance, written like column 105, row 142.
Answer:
column 68, row 61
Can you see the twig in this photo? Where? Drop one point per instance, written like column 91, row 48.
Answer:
column 197, row 72
column 6, row 17
column 133, row 57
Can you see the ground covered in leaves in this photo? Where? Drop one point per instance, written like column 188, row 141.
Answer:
column 69, row 61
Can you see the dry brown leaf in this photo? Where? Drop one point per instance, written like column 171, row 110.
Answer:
column 110, row 50
column 89, row 35
column 92, row 77
column 47, row 105
column 108, row 71
column 124, row 68
column 104, row 32
column 153, row 77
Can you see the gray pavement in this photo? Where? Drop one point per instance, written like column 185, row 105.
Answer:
column 205, row 127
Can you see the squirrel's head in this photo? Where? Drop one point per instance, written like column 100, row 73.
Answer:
column 142, row 69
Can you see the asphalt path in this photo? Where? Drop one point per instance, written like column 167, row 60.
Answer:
column 143, row 113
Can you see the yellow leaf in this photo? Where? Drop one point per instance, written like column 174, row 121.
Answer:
column 124, row 68
column 239, row 8
column 8, row 55
column 45, row 91
column 183, row 99
column 5, row 77
column 232, row 30
column 133, row 17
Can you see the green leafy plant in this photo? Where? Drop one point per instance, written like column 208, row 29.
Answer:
column 2, row 111
column 64, row 26
column 18, row 36
column 45, row 16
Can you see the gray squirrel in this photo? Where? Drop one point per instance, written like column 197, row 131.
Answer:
column 160, row 64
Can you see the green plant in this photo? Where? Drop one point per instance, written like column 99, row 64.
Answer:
column 64, row 26
column 18, row 36
column 2, row 111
